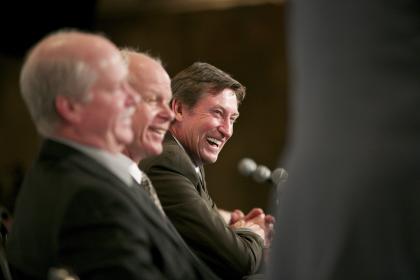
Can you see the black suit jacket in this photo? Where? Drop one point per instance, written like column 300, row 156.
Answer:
column 186, row 201
column 73, row 212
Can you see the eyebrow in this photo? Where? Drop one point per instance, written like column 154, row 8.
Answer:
column 236, row 115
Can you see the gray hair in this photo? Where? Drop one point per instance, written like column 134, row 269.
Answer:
column 126, row 51
column 189, row 85
column 43, row 78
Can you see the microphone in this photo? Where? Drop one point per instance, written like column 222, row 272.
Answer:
column 58, row 273
column 261, row 173
column 279, row 176
column 247, row 166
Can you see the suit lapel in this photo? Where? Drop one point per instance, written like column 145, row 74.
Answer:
column 134, row 193
column 196, row 178
column 199, row 180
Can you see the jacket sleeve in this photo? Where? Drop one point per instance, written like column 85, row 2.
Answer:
column 229, row 254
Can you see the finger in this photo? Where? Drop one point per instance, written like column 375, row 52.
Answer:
column 239, row 213
column 235, row 217
column 238, row 224
column 259, row 220
column 270, row 219
column 254, row 213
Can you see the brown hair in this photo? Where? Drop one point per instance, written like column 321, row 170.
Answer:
column 189, row 85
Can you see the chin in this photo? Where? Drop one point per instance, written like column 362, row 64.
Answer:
column 208, row 160
column 126, row 138
column 154, row 151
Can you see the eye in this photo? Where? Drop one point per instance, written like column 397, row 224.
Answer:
column 151, row 99
column 218, row 113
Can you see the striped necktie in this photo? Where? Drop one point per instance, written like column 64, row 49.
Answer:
column 150, row 190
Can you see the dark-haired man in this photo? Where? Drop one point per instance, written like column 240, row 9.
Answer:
column 205, row 103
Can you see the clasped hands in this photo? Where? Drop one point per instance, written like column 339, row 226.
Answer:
column 257, row 221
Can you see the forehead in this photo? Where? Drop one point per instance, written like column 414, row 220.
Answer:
column 225, row 99
column 112, row 68
column 114, row 62
column 150, row 79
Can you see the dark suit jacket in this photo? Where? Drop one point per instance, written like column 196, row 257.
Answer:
column 351, row 207
column 73, row 212
column 184, row 197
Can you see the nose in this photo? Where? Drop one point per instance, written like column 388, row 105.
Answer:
column 166, row 113
column 226, row 128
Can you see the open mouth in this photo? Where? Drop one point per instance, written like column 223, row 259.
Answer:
column 157, row 130
column 214, row 142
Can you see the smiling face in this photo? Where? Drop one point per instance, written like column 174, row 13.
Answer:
column 204, row 129
column 153, row 115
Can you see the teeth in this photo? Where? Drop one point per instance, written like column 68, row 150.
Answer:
column 214, row 141
column 159, row 130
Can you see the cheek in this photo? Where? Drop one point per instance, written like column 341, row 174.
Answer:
column 207, row 127
column 142, row 132
column 141, row 114
column 136, row 125
column 117, row 106
column 115, row 117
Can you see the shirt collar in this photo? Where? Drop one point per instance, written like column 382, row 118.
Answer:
column 135, row 172
column 118, row 164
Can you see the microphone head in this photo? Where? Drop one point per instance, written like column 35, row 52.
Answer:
column 55, row 273
column 247, row 166
column 279, row 175
column 261, row 174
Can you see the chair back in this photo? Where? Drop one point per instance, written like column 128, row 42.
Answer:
column 4, row 265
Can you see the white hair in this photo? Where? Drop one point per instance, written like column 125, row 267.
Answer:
column 43, row 78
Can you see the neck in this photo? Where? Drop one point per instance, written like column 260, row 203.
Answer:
column 133, row 156
column 195, row 160
column 88, row 140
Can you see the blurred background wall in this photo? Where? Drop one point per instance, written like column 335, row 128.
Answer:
column 244, row 38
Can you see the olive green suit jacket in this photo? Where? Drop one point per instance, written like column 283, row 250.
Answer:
column 182, row 191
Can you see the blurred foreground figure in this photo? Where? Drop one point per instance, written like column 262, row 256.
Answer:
column 351, row 209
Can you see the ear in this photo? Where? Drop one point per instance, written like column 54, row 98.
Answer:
column 67, row 109
column 178, row 108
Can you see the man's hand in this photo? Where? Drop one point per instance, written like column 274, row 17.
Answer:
column 255, row 216
column 235, row 216
column 252, row 225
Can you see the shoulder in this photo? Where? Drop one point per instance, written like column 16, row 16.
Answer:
column 66, row 175
column 173, row 159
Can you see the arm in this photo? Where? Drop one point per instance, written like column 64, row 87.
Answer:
column 230, row 252
column 255, row 216
column 237, row 219
column 227, row 215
